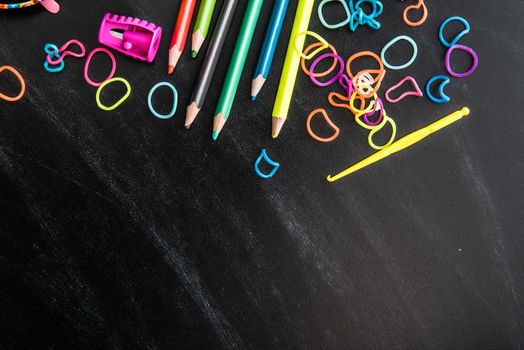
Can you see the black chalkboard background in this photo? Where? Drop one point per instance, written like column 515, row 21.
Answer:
column 123, row 231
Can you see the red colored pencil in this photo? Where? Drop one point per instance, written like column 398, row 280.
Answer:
column 180, row 33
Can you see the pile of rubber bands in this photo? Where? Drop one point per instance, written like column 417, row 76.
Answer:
column 361, row 89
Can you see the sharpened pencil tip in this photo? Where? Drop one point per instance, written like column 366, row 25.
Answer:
column 187, row 126
column 274, row 136
column 215, row 135
column 253, row 98
column 194, row 53
column 170, row 69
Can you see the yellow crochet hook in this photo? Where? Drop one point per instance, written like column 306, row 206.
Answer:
column 403, row 143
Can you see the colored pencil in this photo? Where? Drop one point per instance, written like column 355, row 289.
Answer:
column 268, row 48
column 179, row 38
column 211, row 61
column 291, row 64
column 202, row 23
column 236, row 65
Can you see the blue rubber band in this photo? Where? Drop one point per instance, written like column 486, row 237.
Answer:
column 466, row 30
column 52, row 50
column 388, row 45
column 175, row 100
column 336, row 25
column 443, row 97
column 275, row 165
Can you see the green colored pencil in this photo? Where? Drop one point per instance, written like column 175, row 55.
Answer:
column 201, row 28
column 236, row 65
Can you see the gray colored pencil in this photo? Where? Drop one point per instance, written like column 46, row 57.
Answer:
column 211, row 61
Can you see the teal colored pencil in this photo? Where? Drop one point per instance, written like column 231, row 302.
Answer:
column 236, row 65
column 268, row 48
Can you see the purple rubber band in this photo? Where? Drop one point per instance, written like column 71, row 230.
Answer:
column 365, row 116
column 346, row 84
column 465, row 49
column 332, row 80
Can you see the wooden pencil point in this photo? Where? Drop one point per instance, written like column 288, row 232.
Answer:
column 256, row 86
column 218, row 123
column 277, row 126
column 191, row 114
column 174, row 56
column 196, row 41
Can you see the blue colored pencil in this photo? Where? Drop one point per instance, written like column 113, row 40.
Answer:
column 268, row 48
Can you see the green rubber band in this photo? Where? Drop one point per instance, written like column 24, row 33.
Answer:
column 336, row 25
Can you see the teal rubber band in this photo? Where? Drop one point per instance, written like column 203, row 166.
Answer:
column 443, row 97
column 275, row 165
column 412, row 59
column 466, row 30
column 336, row 25
column 52, row 50
column 175, row 100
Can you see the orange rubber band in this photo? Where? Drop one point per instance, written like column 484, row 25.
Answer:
column 361, row 54
column 321, row 74
column 326, row 118
column 20, row 79
column 416, row 7
column 344, row 99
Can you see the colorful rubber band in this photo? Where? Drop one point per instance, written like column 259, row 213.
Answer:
column 372, row 133
column 52, row 50
column 175, row 100
column 334, row 78
column 88, row 62
column 64, row 53
column 391, row 43
column 378, row 106
column 361, row 84
column 22, row 85
column 320, row 39
column 335, row 25
column 330, row 123
column 320, row 74
column 362, row 54
column 275, row 165
column 466, row 30
column 465, row 49
column 117, row 103
column 443, row 97
column 424, row 17
column 416, row 93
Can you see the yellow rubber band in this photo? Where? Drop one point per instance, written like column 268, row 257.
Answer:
column 324, row 45
column 378, row 128
column 117, row 103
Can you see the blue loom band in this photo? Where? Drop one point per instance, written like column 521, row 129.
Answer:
column 175, row 100
column 275, row 165
column 388, row 45
column 374, row 4
column 443, row 97
column 52, row 50
column 466, row 30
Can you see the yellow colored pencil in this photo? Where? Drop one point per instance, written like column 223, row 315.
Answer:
column 403, row 143
column 291, row 64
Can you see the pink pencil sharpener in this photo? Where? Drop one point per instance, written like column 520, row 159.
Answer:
column 133, row 37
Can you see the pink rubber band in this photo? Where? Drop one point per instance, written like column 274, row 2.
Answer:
column 416, row 93
column 88, row 61
column 67, row 53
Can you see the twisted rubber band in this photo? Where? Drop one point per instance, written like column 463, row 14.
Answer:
column 465, row 49
column 175, row 100
column 52, row 50
column 416, row 93
column 466, row 30
column 336, row 25
column 424, row 17
column 334, row 78
column 330, row 123
column 377, row 106
column 391, row 43
column 275, row 165
column 88, row 62
column 117, row 103
column 363, row 108
column 322, row 74
column 64, row 53
column 22, row 85
column 443, row 97
column 345, row 101
column 320, row 39
column 377, row 81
